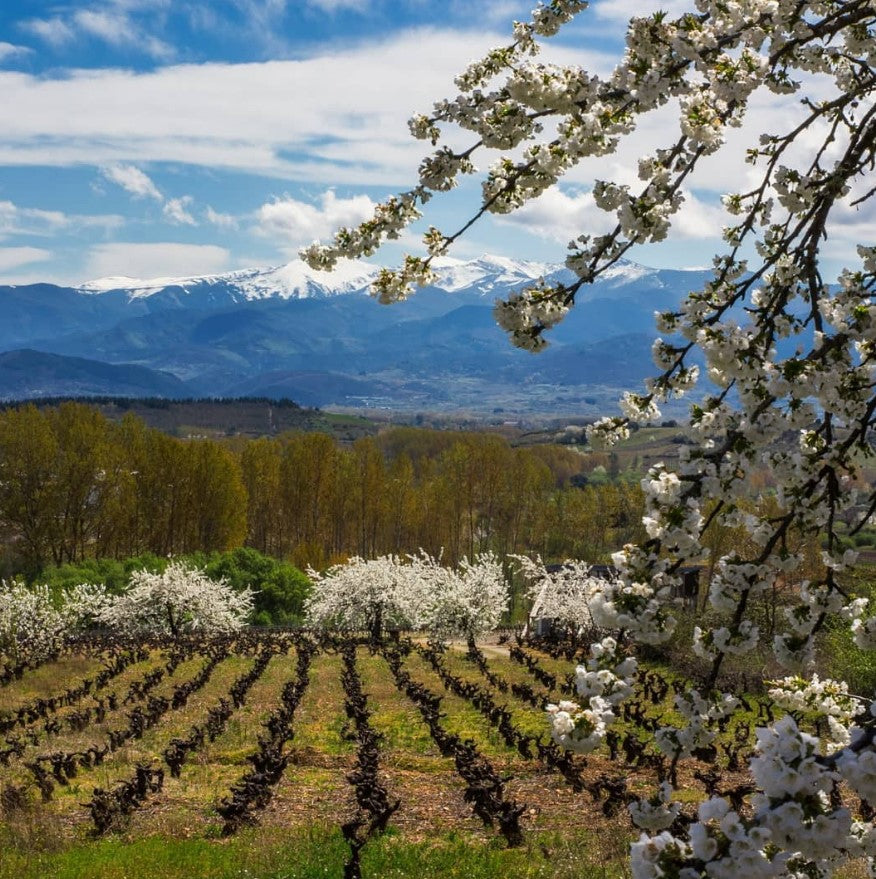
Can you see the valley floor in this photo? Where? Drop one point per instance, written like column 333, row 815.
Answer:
column 177, row 833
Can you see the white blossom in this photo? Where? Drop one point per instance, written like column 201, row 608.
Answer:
column 562, row 595
column 412, row 593
column 35, row 623
column 656, row 813
column 180, row 600
column 580, row 729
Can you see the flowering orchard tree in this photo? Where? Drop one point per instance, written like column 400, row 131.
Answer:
column 564, row 595
column 416, row 593
column 807, row 417
column 34, row 623
column 364, row 595
column 179, row 601
column 466, row 602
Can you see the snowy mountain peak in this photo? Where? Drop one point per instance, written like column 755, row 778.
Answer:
column 624, row 271
column 487, row 276
column 487, row 272
column 294, row 280
column 114, row 282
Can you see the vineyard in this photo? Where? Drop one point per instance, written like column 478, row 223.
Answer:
column 284, row 754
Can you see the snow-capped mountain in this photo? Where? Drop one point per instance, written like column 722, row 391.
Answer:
column 487, row 275
column 294, row 280
column 318, row 338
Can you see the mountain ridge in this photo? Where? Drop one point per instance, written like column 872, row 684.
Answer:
column 296, row 277
column 29, row 374
column 264, row 330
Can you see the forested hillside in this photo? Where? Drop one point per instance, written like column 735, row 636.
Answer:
column 75, row 485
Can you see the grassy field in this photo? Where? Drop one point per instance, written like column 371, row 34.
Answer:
column 177, row 832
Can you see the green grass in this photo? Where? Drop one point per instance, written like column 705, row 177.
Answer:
column 394, row 717
column 320, row 721
column 244, row 856
column 317, row 853
column 454, row 856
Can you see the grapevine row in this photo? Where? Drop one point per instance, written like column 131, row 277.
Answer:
column 374, row 808
column 485, row 789
column 254, row 790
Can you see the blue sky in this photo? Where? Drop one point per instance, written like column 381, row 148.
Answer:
column 151, row 138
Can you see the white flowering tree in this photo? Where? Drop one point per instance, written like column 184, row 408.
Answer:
column 466, row 602
column 367, row 595
column 179, row 601
column 417, row 592
column 789, row 356
column 563, row 594
column 35, row 623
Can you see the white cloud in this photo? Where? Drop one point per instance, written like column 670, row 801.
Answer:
column 140, row 185
column 118, row 29
column 110, row 23
column 9, row 50
column 175, row 209
column 336, row 5
column 496, row 12
column 560, row 215
column 294, row 223
column 621, row 11
column 698, row 219
column 222, row 221
column 108, row 26
column 850, row 226
column 164, row 259
column 54, row 31
column 13, row 257
column 336, row 118
column 132, row 180
column 16, row 220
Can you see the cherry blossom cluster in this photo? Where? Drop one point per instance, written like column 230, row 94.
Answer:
column 465, row 602
column 180, row 600
column 580, row 729
column 657, row 812
column 794, row 803
column 857, row 763
column 863, row 628
column 672, row 515
column 795, row 829
column 701, row 715
column 364, row 594
column 604, row 681
column 712, row 643
column 721, row 844
column 606, row 673
column 604, row 685
column 826, row 698
column 637, row 606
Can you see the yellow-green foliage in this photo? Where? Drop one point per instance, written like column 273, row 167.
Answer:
column 75, row 486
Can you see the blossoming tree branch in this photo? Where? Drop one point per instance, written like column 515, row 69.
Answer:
column 808, row 417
